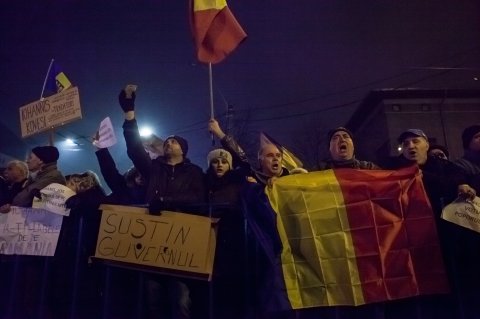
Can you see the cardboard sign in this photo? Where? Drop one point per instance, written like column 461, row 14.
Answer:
column 465, row 213
column 53, row 199
column 29, row 231
column 174, row 243
column 106, row 134
column 50, row 112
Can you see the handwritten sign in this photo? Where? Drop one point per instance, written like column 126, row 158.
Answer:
column 53, row 111
column 106, row 135
column 53, row 199
column 465, row 213
column 172, row 241
column 29, row 231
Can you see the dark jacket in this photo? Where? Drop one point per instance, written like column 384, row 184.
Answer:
column 83, row 206
column 224, row 203
column 353, row 163
column 470, row 165
column 173, row 187
column 9, row 191
column 121, row 192
column 225, row 190
column 74, row 277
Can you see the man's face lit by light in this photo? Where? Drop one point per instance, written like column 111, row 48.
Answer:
column 341, row 146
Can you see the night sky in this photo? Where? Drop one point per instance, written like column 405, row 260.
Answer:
column 303, row 69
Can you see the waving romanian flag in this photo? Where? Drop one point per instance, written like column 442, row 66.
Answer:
column 347, row 237
column 215, row 30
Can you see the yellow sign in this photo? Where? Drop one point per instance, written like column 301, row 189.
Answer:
column 50, row 112
column 177, row 243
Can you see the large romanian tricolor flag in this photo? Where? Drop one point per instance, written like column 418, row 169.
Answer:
column 349, row 237
column 215, row 30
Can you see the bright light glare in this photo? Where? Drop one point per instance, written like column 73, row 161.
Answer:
column 69, row 141
column 145, row 131
column 399, row 148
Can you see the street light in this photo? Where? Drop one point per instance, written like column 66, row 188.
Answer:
column 145, row 131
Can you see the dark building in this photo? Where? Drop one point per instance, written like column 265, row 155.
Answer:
column 385, row 113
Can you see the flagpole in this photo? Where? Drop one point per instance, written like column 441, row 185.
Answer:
column 46, row 78
column 212, row 112
column 52, row 130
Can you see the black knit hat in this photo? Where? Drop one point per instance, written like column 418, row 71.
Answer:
column 181, row 141
column 468, row 134
column 47, row 154
column 335, row 130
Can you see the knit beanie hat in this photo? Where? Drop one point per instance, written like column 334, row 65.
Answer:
column 220, row 153
column 468, row 134
column 335, row 130
column 181, row 141
column 47, row 154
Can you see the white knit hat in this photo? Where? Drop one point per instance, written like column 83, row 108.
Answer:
column 220, row 153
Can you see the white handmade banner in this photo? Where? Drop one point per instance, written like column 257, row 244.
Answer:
column 53, row 199
column 29, row 231
column 105, row 135
column 465, row 213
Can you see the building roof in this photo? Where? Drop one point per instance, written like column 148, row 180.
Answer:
column 372, row 101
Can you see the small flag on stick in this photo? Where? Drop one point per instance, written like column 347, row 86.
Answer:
column 56, row 81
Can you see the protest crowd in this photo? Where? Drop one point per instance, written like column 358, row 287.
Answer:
column 245, row 281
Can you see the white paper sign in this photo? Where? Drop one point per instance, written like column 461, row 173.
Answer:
column 53, row 199
column 465, row 213
column 29, row 231
column 106, row 135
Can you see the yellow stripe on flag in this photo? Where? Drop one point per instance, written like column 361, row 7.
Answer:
column 199, row 5
column 62, row 82
column 318, row 257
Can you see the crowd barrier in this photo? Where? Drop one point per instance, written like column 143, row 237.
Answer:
column 115, row 290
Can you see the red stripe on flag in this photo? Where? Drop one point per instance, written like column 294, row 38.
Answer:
column 395, row 241
column 216, row 34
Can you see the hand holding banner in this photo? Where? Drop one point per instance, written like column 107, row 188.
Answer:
column 465, row 213
column 53, row 199
column 105, row 135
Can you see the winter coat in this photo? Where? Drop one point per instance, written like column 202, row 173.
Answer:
column 48, row 175
column 470, row 165
column 353, row 163
column 9, row 191
column 225, row 190
column 173, row 187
